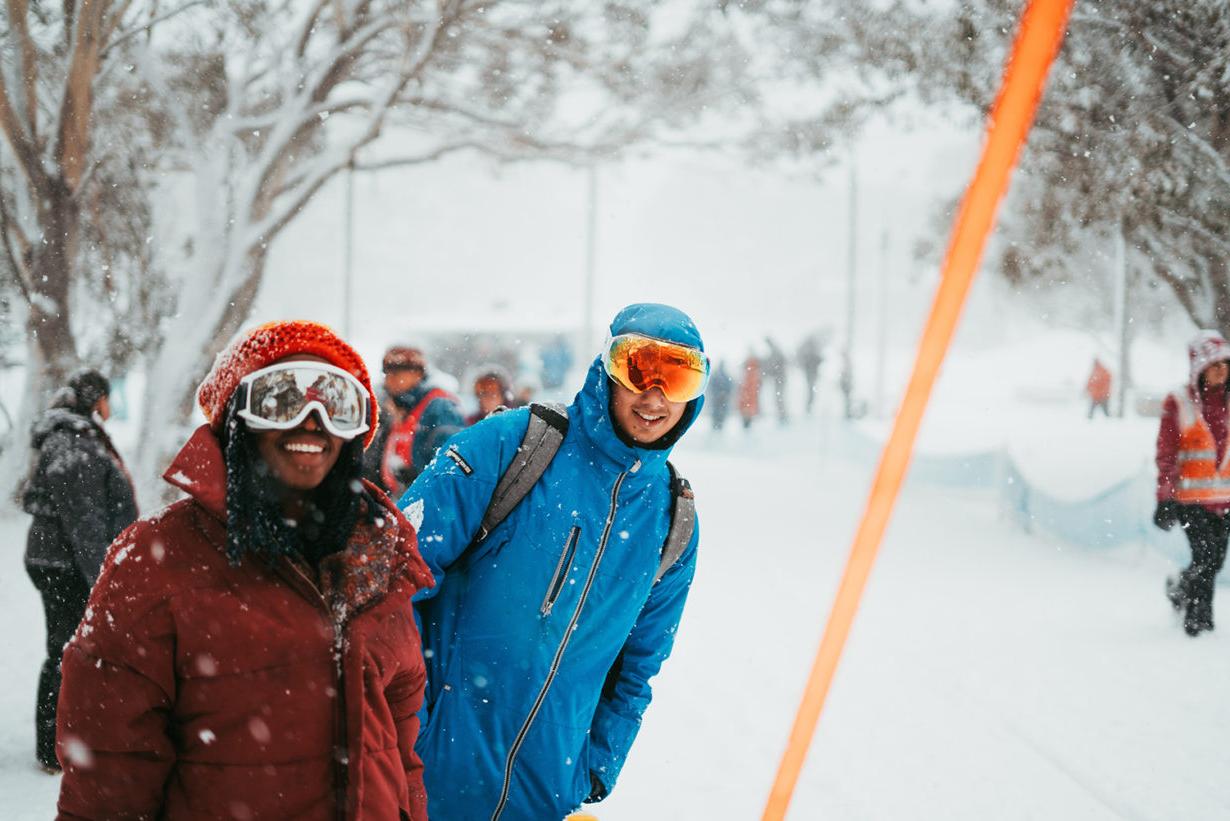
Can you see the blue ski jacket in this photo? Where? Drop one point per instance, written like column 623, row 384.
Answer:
column 541, row 640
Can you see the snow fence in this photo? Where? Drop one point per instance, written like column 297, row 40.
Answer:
column 1119, row 514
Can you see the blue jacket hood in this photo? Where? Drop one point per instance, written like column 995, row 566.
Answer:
column 658, row 321
column 592, row 404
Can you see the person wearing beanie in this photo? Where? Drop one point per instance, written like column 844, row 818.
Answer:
column 80, row 497
column 544, row 631
column 421, row 417
column 1193, row 476
column 249, row 651
column 492, row 390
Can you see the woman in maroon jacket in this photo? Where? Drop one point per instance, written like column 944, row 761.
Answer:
column 249, row 652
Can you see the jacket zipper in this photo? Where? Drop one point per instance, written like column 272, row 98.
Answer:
column 340, row 753
column 561, row 570
column 559, row 653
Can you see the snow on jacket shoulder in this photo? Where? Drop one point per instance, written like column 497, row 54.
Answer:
column 195, row 688
column 79, row 494
column 543, row 638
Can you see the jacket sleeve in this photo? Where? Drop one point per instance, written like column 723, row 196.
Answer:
column 1168, row 450
column 441, row 419
column 78, row 483
column 112, row 734
column 405, row 696
column 447, row 501
column 627, row 692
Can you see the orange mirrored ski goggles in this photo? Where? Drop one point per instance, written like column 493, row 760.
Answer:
column 641, row 362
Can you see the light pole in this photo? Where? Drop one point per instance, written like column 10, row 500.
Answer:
column 882, row 341
column 348, row 252
column 591, row 262
column 1123, row 321
column 847, row 376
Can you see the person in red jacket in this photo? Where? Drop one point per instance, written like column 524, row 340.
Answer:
column 1097, row 388
column 250, row 650
column 1193, row 476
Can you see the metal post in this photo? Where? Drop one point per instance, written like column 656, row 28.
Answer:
column 1123, row 323
column 348, row 252
column 851, row 280
column 588, row 345
column 882, row 342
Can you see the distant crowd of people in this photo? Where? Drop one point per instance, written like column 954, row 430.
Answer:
column 770, row 369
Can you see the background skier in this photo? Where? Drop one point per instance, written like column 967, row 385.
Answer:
column 80, row 496
column 1193, row 476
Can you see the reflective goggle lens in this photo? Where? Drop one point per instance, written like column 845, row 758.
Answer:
column 640, row 363
column 280, row 397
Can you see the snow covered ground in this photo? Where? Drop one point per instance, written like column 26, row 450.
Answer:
column 990, row 674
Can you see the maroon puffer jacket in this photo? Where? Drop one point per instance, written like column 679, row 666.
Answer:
column 197, row 689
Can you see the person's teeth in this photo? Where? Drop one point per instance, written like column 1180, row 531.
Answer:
column 649, row 418
column 300, row 448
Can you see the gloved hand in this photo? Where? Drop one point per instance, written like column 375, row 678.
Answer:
column 1167, row 514
column 597, row 790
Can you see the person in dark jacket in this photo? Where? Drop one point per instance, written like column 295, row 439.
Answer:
column 810, row 357
column 80, row 497
column 542, row 640
column 719, row 394
column 1193, row 476
column 250, row 651
column 775, row 369
column 421, row 417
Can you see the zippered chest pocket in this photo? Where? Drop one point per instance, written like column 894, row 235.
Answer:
column 562, row 568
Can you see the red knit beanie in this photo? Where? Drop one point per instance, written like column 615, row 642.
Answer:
column 267, row 344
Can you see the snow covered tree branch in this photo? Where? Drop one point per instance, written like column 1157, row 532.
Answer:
column 1134, row 130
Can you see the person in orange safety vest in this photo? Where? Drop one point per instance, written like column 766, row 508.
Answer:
column 1193, row 477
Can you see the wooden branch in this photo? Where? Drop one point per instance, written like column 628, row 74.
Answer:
column 112, row 24
column 309, row 25
column 112, row 40
column 419, row 159
column 16, row 261
column 76, row 110
column 19, row 11
column 28, row 160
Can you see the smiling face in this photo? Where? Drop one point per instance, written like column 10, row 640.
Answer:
column 299, row 458
column 644, row 417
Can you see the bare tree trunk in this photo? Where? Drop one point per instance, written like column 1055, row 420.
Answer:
column 51, row 271
column 15, row 458
column 185, row 358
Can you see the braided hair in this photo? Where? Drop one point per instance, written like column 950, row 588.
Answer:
column 255, row 522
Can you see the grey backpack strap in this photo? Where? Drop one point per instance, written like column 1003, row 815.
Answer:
column 683, row 522
column 546, row 431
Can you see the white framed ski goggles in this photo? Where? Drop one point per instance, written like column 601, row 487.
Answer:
column 281, row 397
column 642, row 362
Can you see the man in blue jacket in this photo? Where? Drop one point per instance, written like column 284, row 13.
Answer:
column 541, row 637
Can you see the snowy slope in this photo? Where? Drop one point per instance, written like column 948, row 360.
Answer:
column 990, row 674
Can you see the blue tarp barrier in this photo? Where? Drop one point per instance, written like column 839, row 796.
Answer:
column 1121, row 514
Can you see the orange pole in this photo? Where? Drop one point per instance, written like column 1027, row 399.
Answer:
column 1041, row 32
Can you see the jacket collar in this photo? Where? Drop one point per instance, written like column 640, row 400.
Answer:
column 200, row 471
